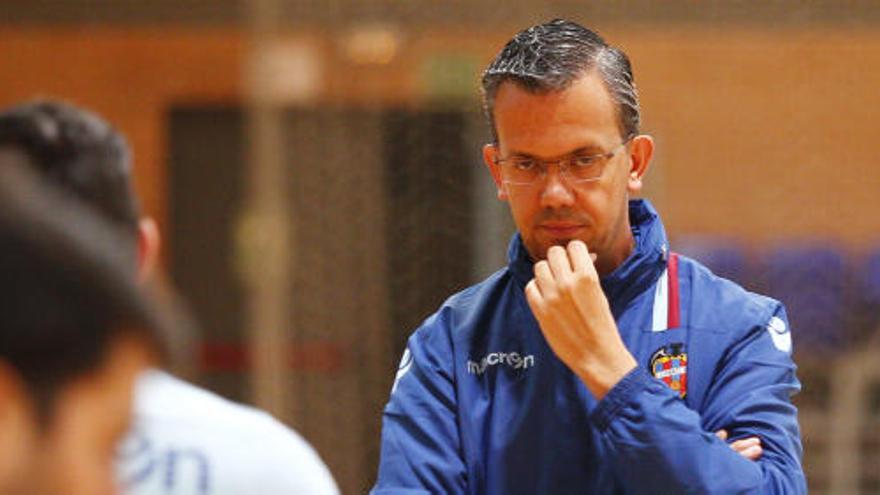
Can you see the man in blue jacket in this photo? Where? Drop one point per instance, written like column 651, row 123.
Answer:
column 598, row 361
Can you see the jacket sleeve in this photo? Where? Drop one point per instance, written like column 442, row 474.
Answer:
column 658, row 445
column 421, row 451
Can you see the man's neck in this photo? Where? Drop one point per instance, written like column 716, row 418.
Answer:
column 606, row 263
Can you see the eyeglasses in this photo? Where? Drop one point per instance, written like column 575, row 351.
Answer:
column 577, row 167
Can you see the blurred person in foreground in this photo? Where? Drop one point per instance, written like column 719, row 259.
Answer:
column 75, row 332
column 185, row 440
column 598, row 361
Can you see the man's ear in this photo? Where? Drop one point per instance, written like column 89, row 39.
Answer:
column 148, row 244
column 641, row 153
column 490, row 154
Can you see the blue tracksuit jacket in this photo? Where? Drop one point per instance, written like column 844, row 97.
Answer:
column 482, row 405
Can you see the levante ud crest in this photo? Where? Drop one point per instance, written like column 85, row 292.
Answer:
column 669, row 364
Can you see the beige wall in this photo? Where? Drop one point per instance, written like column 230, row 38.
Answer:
column 130, row 76
column 761, row 134
column 764, row 135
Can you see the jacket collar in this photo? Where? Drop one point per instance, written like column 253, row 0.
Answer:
column 636, row 274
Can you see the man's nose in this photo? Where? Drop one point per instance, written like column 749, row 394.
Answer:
column 556, row 191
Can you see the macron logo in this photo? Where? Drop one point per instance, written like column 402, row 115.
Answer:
column 512, row 359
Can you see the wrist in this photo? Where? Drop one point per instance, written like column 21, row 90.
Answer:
column 601, row 376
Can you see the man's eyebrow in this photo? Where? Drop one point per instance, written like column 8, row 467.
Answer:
column 522, row 154
column 589, row 149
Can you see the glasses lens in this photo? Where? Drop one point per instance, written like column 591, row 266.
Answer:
column 582, row 168
column 521, row 170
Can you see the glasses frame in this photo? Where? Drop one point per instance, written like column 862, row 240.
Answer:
column 565, row 164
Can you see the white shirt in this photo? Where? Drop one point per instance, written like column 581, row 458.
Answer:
column 189, row 441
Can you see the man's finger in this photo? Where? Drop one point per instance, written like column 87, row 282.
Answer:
column 752, row 453
column 581, row 258
column 533, row 296
column 750, row 448
column 745, row 443
column 557, row 257
column 544, row 280
column 722, row 434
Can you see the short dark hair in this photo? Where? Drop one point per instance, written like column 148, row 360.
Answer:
column 68, row 292
column 79, row 151
column 549, row 57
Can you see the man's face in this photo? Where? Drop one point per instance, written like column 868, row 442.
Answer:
column 554, row 210
column 73, row 454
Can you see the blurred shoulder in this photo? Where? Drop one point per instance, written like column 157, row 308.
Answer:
column 239, row 445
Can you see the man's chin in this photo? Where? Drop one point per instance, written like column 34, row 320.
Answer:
column 538, row 250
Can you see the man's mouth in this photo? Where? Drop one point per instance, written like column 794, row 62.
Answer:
column 561, row 229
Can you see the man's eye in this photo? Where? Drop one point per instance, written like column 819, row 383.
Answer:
column 583, row 161
column 524, row 164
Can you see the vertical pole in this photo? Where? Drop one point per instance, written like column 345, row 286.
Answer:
column 852, row 377
column 265, row 229
column 845, row 419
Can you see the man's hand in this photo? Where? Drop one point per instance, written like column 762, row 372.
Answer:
column 750, row 447
column 567, row 300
